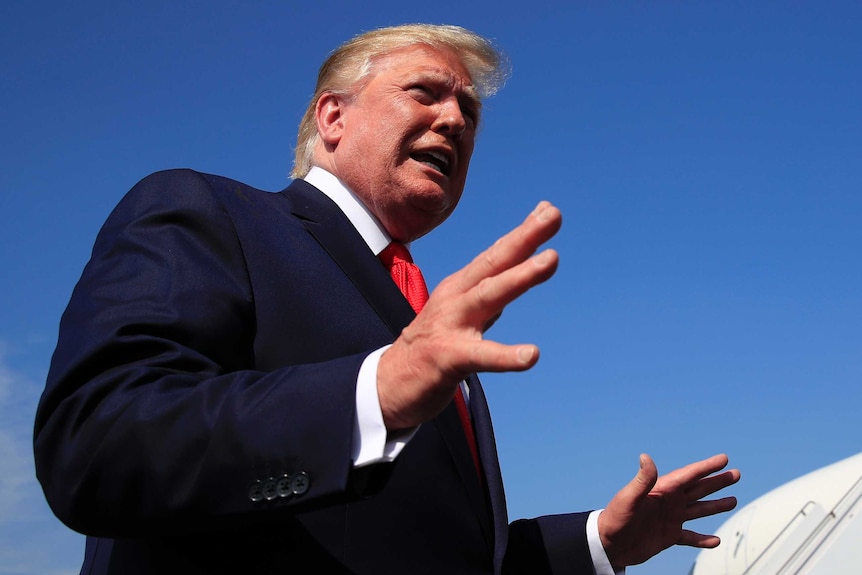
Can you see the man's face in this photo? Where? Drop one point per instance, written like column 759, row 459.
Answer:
column 406, row 139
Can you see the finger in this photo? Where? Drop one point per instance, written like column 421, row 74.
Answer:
column 514, row 247
column 711, row 507
column 697, row 470
column 491, row 356
column 643, row 481
column 492, row 294
column 709, row 485
column 693, row 539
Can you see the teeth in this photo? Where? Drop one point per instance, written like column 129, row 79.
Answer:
column 443, row 159
column 441, row 164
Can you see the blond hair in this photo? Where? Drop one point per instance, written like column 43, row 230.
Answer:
column 352, row 62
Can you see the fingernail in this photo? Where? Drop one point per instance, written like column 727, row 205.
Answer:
column 526, row 353
column 542, row 258
column 547, row 212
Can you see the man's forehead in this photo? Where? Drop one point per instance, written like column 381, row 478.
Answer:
column 437, row 64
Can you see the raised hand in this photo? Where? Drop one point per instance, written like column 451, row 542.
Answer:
column 418, row 375
column 646, row 516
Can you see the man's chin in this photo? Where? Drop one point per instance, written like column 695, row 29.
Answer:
column 436, row 202
column 418, row 219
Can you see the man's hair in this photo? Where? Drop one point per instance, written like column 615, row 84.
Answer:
column 353, row 61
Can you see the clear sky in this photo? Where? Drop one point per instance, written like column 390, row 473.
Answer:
column 707, row 157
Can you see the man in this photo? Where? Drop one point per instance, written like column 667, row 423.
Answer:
column 240, row 387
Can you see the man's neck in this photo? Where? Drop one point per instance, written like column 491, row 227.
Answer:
column 368, row 226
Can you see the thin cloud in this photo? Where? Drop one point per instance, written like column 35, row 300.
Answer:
column 33, row 540
column 17, row 405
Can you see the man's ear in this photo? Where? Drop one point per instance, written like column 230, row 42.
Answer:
column 329, row 113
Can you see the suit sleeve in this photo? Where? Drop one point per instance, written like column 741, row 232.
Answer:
column 551, row 544
column 155, row 418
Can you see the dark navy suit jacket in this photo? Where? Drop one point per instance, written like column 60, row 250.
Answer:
column 208, row 358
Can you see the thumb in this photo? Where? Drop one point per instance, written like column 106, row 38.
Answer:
column 646, row 477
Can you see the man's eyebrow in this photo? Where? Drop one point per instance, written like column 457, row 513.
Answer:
column 469, row 91
column 439, row 75
column 473, row 95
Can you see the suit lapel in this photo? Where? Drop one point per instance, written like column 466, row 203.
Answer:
column 334, row 232
column 448, row 424
column 491, row 466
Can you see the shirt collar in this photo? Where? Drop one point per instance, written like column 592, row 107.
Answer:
column 368, row 226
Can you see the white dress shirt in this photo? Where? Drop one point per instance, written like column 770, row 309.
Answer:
column 371, row 442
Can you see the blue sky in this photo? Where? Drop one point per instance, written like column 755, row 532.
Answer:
column 707, row 157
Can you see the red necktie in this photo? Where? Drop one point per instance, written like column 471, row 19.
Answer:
column 409, row 280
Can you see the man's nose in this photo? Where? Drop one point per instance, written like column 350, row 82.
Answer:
column 450, row 118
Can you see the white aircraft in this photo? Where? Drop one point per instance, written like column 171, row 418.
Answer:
column 809, row 526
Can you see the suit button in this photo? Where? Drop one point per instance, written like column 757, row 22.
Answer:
column 300, row 483
column 282, row 486
column 255, row 492
column 269, row 491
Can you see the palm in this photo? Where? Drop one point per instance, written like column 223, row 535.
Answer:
column 648, row 514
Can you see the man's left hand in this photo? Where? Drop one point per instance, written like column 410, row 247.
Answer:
column 646, row 516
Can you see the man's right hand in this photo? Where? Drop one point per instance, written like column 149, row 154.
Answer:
column 418, row 375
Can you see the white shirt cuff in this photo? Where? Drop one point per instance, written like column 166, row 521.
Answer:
column 371, row 441
column 597, row 550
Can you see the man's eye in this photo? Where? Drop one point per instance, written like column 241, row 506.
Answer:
column 471, row 114
column 422, row 90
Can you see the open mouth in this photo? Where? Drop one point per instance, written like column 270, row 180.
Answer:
column 435, row 160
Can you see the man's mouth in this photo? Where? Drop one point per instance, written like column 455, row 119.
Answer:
column 433, row 159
